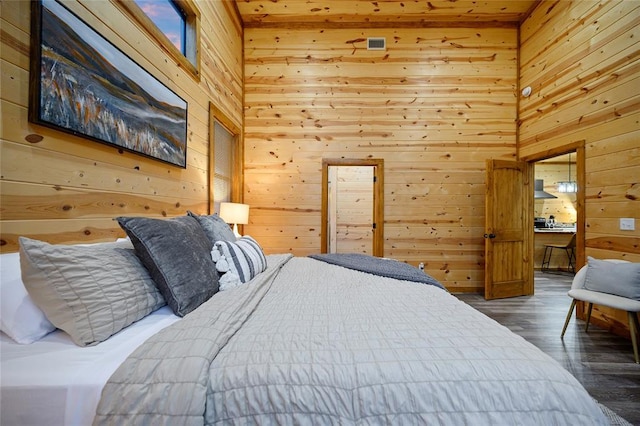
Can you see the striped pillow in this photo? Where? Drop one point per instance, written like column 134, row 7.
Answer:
column 239, row 261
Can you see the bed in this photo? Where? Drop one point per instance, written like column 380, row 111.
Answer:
column 55, row 382
column 295, row 340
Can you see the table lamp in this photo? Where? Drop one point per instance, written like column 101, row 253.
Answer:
column 235, row 213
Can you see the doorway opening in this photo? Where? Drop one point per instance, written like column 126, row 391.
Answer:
column 352, row 206
column 559, row 215
column 555, row 214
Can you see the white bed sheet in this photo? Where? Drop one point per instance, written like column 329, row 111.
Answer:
column 55, row 382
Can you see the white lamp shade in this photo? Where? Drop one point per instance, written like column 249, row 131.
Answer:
column 234, row 213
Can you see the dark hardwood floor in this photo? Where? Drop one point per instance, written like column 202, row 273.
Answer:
column 601, row 361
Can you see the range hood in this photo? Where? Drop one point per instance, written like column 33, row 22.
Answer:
column 539, row 190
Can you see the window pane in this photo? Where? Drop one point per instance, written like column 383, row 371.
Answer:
column 223, row 166
column 222, row 150
column 221, row 191
column 168, row 18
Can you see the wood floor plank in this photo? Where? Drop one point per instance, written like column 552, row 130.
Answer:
column 601, row 361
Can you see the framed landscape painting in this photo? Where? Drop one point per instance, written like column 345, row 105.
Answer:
column 82, row 84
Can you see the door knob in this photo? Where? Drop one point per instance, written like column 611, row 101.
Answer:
column 489, row 235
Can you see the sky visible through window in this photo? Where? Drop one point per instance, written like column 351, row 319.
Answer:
column 166, row 16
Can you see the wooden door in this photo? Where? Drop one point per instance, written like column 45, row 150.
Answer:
column 352, row 206
column 508, row 225
column 350, row 209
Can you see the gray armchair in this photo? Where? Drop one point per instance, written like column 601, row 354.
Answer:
column 613, row 283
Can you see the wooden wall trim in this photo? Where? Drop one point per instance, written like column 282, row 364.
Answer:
column 553, row 151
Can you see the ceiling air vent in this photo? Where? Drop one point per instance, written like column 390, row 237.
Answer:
column 376, row 43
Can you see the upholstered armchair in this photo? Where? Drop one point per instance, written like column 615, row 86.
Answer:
column 613, row 283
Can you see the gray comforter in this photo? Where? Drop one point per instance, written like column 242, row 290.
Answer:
column 307, row 342
column 383, row 267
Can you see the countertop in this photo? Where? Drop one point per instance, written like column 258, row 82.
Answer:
column 555, row 230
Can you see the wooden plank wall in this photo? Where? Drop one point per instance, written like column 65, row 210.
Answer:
column 68, row 189
column 582, row 61
column 435, row 105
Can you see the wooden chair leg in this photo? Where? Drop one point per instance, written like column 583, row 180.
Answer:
column 633, row 329
column 566, row 323
column 588, row 316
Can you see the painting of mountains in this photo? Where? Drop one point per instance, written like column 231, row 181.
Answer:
column 84, row 85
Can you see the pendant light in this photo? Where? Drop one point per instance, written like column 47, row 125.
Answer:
column 568, row 186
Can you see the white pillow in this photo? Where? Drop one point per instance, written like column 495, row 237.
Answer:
column 238, row 261
column 20, row 318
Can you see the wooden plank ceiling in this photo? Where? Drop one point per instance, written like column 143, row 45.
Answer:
column 381, row 13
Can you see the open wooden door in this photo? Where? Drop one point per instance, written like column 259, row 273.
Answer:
column 508, row 227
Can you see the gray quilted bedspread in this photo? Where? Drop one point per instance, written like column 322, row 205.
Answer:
column 312, row 343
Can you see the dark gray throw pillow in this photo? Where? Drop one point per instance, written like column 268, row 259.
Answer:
column 177, row 254
column 215, row 228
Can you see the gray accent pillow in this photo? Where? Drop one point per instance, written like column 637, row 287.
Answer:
column 215, row 228
column 89, row 291
column 619, row 279
column 177, row 254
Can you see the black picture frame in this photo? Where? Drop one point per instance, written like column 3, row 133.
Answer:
column 82, row 84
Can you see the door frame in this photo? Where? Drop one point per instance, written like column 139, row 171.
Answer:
column 579, row 148
column 378, row 199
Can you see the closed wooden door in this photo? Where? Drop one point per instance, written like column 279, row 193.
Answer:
column 508, row 230
column 352, row 207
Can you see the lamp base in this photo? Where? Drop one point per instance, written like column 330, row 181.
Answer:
column 235, row 230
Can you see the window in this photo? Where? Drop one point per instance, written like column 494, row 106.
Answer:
column 225, row 160
column 169, row 18
column 223, row 165
column 174, row 24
